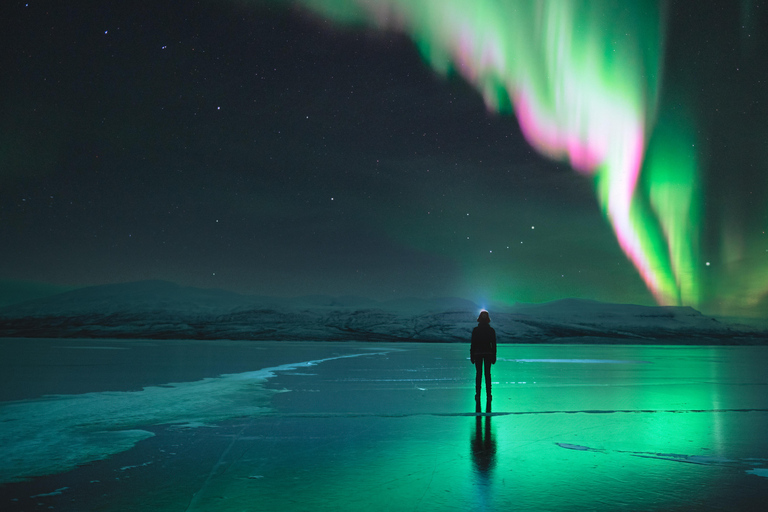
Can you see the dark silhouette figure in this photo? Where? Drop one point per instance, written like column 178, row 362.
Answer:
column 483, row 447
column 482, row 353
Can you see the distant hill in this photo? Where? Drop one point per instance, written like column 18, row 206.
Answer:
column 163, row 310
column 14, row 291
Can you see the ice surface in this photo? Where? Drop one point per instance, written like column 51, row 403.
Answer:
column 394, row 427
column 678, row 457
column 57, row 433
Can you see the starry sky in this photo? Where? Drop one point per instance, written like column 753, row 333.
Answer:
column 291, row 148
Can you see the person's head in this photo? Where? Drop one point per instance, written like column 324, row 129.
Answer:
column 484, row 317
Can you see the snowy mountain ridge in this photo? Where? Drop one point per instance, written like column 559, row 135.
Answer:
column 163, row 310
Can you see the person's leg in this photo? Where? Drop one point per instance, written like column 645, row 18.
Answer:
column 487, row 376
column 478, row 377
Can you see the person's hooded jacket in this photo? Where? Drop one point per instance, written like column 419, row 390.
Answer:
column 483, row 339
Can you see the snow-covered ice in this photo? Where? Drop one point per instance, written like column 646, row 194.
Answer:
column 162, row 310
column 193, row 425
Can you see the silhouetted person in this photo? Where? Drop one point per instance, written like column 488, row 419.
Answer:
column 482, row 353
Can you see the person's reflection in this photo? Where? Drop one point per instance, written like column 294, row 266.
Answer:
column 483, row 447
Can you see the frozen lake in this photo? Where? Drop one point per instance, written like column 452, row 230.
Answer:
column 219, row 425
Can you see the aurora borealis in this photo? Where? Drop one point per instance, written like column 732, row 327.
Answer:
column 584, row 80
column 499, row 151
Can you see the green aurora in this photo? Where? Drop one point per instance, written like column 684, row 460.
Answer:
column 499, row 151
column 584, row 79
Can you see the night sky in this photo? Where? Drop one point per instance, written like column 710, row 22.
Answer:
column 263, row 148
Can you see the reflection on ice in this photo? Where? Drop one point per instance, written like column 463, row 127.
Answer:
column 483, row 450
